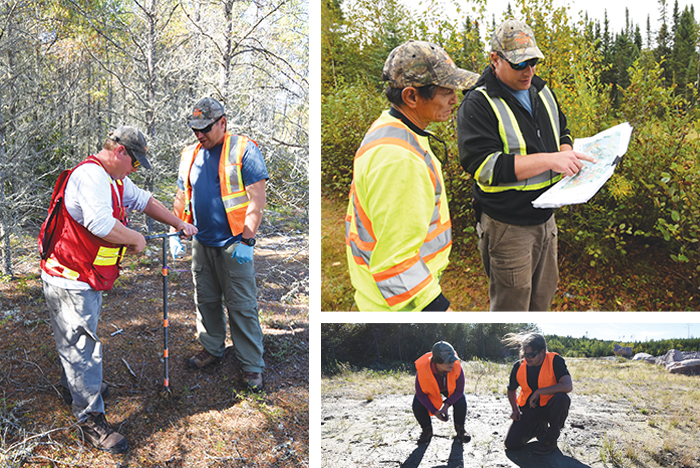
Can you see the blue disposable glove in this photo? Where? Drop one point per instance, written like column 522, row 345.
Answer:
column 243, row 253
column 176, row 247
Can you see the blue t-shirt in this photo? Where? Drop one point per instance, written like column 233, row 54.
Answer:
column 207, row 208
column 522, row 95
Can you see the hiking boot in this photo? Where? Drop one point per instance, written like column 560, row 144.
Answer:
column 426, row 435
column 202, row 359
column 100, row 434
column 254, row 381
column 68, row 398
column 462, row 435
column 545, row 447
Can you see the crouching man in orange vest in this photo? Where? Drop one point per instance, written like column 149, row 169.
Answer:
column 439, row 373
column 542, row 406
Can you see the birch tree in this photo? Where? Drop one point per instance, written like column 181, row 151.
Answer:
column 72, row 70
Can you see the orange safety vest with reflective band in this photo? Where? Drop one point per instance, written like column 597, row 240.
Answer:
column 427, row 381
column 69, row 250
column 545, row 379
column 233, row 193
column 386, row 281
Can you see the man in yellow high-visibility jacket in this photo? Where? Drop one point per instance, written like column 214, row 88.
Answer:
column 397, row 228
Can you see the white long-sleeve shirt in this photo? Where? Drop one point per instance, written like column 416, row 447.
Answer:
column 88, row 199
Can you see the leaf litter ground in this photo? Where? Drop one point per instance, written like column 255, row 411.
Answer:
column 208, row 420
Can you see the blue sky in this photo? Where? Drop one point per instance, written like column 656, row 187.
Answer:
column 622, row 331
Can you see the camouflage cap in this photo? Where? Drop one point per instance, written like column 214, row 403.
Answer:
column 515, row 41
column 445, row 352
column 205, row 112
column 420, row 63
column 134, row 141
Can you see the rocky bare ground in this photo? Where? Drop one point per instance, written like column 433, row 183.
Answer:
column 383, row 433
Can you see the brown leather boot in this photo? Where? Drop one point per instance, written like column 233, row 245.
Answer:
column 202, row 359
column 99, row 433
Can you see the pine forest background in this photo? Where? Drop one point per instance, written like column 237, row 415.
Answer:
column 72, row 70
column 602, row 77
column 384, row 346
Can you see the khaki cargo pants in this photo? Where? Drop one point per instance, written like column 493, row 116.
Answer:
column 220, row 280
column 521, row 263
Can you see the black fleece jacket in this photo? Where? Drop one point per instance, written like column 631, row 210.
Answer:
column 478, row 137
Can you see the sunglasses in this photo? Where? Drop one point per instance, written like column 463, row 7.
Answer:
column 134, row 162
column 208, row 128
column 531, row 355
column 522, row 65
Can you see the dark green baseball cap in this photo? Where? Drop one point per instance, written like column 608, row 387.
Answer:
column 420, row 63
column 206, row 112
column 134, row 141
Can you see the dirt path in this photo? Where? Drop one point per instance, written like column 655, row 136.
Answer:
column 383, row 433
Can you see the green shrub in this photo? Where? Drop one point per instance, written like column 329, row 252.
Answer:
column 654, row 193
column 347, row 112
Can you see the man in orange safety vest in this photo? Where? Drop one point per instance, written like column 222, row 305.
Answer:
column 542, row 406
column 439, row 373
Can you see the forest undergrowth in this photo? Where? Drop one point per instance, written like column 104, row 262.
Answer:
column 647, row 279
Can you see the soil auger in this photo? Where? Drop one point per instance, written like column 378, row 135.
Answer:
column 164, row 271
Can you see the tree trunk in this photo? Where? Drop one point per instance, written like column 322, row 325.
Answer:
column 226, row 59
column 4, row 222
column 151, row 14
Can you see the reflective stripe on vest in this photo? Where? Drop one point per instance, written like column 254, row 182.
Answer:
column 404, row 280
column 233, row 193
column 514, row 142
column 234, row 197
column 545, row 379
column 61, row 270
column 429, row 385
column 107, row 256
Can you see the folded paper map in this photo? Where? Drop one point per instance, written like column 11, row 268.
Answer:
column 607, row 148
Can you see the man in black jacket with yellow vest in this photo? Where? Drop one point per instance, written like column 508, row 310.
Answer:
column 542, row 406
column 514, row 141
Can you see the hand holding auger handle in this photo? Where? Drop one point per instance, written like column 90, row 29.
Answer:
column 164, row 235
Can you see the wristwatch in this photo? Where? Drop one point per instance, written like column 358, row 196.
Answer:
column 249, row 242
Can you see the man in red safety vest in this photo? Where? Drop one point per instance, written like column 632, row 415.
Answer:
column 82, row 242
column 542, row 406
column 439, row 373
